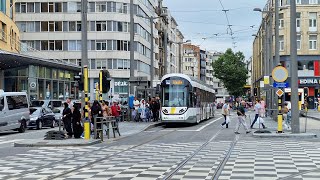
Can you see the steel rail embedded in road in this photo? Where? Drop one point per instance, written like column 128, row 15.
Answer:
column 221, row 165
column 181, row 164
column 107, row 157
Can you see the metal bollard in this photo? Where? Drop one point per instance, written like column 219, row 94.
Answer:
column 87, row 130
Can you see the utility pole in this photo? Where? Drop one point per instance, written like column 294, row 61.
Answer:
column 152, row 54
column 277, row 54
column 131, row 87
column 294, row 69
column 270, row 61
column 84, row 64
column 180, row 58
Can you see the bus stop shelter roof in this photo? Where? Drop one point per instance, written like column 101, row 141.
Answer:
column 10, row 60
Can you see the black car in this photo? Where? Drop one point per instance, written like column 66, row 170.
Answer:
column 41, row 117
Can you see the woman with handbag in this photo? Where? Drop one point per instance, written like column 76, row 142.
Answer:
column 226, row 115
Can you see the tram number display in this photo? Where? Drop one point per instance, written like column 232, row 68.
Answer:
column 174, row 82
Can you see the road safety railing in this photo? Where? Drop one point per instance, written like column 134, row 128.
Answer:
column 109, row 122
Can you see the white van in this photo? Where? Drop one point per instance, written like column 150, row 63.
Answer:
column 14, row 111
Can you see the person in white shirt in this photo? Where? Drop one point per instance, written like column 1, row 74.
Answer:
column 225, row 112
column 257, row 109
column 136, row 103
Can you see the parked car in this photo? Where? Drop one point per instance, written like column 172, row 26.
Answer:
column 41, row 117
column 14, row 111
column 52, row 104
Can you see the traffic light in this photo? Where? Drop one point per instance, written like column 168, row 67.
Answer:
column 106, row 78
column 79, row 80
column 306, row 91
column 255, row 91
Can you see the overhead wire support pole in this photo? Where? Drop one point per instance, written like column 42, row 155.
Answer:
column 131, row 88
column 84, row 64
column 277, row 49
column 294, row 70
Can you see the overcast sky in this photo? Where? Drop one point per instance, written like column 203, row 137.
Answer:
column 204, row 23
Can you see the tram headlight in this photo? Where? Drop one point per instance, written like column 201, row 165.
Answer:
column 182, row 111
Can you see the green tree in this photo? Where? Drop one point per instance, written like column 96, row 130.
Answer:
column 231, row 70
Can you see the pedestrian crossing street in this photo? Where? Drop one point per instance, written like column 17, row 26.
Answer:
column 263, row 159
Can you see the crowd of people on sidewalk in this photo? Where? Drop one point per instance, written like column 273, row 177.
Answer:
column 142, row 111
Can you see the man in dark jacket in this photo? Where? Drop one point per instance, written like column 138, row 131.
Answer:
column 155, row 107
column 241, row 118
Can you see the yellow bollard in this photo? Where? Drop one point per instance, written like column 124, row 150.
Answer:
column 300, row 104
column 87, row 130
column 280, row 128
column 319, row 107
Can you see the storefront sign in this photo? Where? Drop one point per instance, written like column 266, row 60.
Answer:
column 309, row 81
column 121, row 83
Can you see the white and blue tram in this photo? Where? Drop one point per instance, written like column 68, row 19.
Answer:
column 185, row 99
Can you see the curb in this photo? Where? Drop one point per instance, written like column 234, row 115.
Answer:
column 42, row 144
column 285, row 135
column 152, row 126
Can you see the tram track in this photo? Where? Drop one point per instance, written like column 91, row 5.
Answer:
column 109, row 156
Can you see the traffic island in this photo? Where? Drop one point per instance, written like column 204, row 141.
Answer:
column 56, row 143
column 284, row 135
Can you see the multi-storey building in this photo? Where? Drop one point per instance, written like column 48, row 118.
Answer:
column 9, row 32
column 191, row 60
column 209, row 68
column 203, row 57
column 308, row 44
column 53, row 28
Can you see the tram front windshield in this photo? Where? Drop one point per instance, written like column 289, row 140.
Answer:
column 175, row 92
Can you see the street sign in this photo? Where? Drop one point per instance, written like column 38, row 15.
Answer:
column 279, row 92
column 280, row 85
column 280, row 74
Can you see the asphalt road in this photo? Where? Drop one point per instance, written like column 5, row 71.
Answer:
column 203, row 151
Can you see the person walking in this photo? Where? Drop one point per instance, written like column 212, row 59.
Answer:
column 67, row 115
column 241, row 118
column 285, row 112
column 143, row 110
column 76, row 122
column 96, row 111
column 257, row 109
column 226, row 114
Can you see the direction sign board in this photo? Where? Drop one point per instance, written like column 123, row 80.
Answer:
column 280, row 85
column 280, row 74
column 279, row 92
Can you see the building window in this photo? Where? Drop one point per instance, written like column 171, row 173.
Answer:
column 312, row 21
column 111, row 7
column 44, row 7
column 280, row 3
column 313, row 42
column 58, row 7
column 298, row 1
column 44, row 26
column 23, row 7
column 72, row 26
column 281, row 20
column 313, row 1
column 101, row 7
column 101, row 26
column 30, row 7
column 58, row 26
column 44, row 45
column 281, row 43
column 298, row 20
column 51, row 7
column 51, row 45
column 51, row 26
column 298, row 42
column 310, row 65
column 101, row 45
column 72, row 45
column 74, row 6
column 58, row 45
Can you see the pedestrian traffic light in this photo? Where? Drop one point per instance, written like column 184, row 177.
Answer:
column 255, row 91
column 79, row 80
column 105, row 80
column 306, row 91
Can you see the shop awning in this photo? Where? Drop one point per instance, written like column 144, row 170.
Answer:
column 12, row 60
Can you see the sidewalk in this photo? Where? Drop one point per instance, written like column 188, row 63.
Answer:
column 314, row 114
column 308, row 128
column 126, row 129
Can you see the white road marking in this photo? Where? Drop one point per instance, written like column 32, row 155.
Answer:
column 202, row 127
column 11, row 141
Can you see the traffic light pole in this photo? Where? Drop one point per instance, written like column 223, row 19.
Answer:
column 100, row 84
